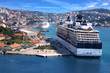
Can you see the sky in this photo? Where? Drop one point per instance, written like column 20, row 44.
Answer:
column 55, row 6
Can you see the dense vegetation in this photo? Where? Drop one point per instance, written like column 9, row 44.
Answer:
column 14, row 39
column 6, row 31
column 102, row 20
column 91, row 17
column 101, row 10
column 18, row 49
column 44, row 47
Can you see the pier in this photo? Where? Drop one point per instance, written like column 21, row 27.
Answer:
column 59, row 51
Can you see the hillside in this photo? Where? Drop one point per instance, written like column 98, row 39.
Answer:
column 99, row 16
column 101, row 10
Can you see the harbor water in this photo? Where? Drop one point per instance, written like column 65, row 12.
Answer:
column 51, row 33
column 68, row 64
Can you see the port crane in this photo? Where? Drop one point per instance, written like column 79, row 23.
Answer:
column 39, row 32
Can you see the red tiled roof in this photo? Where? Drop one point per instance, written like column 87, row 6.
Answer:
column 15, row 45
column 36, row 42
column 8, row 38
column 2, row 45
column 1, row 19
column 8, row 24
column 22, row 32
column 2, row 35
column 20, row 35
column 25, row 35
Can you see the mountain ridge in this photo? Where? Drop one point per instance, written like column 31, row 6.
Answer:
column 96, row 9
column 98, row 15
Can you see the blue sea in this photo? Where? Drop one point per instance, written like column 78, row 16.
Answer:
column 68, row 64
column 51, row 33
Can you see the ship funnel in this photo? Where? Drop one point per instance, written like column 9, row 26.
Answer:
column 79, row 18
column 68, row 18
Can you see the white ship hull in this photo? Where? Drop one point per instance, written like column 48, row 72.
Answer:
column 80, row 51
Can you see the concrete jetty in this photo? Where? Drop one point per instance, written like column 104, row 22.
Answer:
column 35, row 54
column 59, row 51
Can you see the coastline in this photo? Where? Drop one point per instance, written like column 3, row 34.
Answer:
column 54, row 53
column 51, row 53
column 57, row 52
column 39, row 55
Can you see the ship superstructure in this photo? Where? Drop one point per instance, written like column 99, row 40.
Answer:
column 79, row 37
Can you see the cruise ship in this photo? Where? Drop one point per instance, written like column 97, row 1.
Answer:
column 79, row 37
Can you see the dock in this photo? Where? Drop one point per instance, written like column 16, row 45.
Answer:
column 40, row 55
column 59, row 51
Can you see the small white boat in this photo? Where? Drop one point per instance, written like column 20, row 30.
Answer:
column 45, row 24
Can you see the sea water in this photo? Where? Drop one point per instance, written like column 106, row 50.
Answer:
column 69, row 64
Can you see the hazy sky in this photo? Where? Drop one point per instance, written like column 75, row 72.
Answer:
column 56, row 6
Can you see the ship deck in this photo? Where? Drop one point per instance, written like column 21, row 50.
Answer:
column 79, row 30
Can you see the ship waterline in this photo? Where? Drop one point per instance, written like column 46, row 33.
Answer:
column 80, row 51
